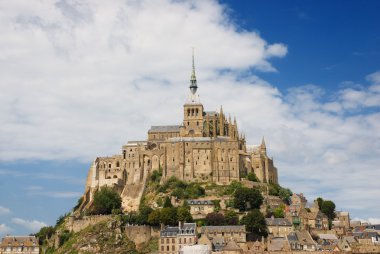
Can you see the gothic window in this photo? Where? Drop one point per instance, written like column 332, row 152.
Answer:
column 192, row 112
column 196, row 110
column 109, row 165
column 188, row 112
column 117, row 164
column 124, row 153
column 197, row 123
column 188, row 123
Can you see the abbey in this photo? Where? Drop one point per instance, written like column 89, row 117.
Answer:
column 205, row 147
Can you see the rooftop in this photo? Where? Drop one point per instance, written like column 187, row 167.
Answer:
column 164, row 128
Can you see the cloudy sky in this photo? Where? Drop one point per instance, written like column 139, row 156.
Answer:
column 79, row 79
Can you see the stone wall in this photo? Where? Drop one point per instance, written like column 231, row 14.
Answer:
column 138, row 234
column 76, row 225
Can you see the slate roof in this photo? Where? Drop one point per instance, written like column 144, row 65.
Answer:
column 278, row 222
column 199, row 202
column 217, row 229
column 164, row 128
column 302, row 237
column 211, row 113
column 328, row 236
column 187, row 229
column 18, row 241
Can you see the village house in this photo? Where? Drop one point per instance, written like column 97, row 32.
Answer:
column 279, row 227
column 200, row 208
column 173, row 238
column 19, row 245
column 301, row 240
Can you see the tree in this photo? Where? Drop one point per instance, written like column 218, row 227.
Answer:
column 328, row 208
column 168, row 216
column 143, row 215
column 246, row 199
column 154, row 217
column 105, row 200
column 44, row 233
column 255, row 223
column 252, row 177
column 167, row 202
column 285, row 194
column 79, row 202
column 279, row 212
column 320, row 201
column 231, row 218
column 183, row 214
column 215, row 219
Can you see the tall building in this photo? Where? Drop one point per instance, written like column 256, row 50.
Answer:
column 205, row 147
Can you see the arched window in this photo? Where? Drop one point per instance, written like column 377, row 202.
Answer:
column 196, row 111
column 192, row 112
column 117, row 164
column 188, row 112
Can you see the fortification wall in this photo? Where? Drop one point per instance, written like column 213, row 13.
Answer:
column 138, row 234
column 76, row 225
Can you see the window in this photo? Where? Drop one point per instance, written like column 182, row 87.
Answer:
column 167, row 248
column 173, row 241
column 190, row 240
column 162, row 248
column 173, row 248
column 167, row 240
column 184, row 240
column 162, row 240
column 179, row 240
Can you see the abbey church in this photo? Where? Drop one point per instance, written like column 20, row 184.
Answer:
column 205, row 147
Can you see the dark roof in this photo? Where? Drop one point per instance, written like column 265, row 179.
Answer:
column 212, row 113
column 211, row 229
column 375, row 227
column 278, row 222
column 199, row 202
column 164, row 128
column 187, row 229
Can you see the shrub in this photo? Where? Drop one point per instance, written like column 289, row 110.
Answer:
column 246, row 199
column 215, row 219
column 252, row 177
column 105, row 200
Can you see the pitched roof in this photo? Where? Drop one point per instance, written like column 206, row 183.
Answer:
column 15, row 241
column 328, row 236
column 212, row 229
column 232, row 246
column 278, row 222
column 164, row 128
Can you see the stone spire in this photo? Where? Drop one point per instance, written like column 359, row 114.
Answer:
column 193, row 79
column 263, row 146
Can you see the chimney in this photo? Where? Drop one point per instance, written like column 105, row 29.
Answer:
column 180, row 224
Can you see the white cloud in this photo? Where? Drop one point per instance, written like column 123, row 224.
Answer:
column 4, row 229
column 4, row 210
column 79, row 80
column 32, row 225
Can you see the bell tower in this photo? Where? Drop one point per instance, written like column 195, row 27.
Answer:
column 193, row 110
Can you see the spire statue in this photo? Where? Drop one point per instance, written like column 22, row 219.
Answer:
column 193, row 79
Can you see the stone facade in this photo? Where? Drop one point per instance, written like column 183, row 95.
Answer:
column 206, row 147
column 172, row 239
column 200, row 208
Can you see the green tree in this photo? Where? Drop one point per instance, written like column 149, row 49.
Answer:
column 255, row 223
column 231, row 218
column 279, row 212
column 168, row 216
column 215, row 219
column 105, row 200
column 44, row 233
column 143, row 215
column 79, row 202
column 285, row 194
column 167, row 202
column 320, row 201
column 154, row 217
column 328, row 208
column 183, row 214
column 252, row 177
column 246, row 199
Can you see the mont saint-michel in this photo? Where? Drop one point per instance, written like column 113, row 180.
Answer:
column 195, row 187
column 206, row 147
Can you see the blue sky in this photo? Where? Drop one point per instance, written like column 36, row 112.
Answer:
column 81, row 78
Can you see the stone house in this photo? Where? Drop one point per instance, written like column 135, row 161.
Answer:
column 301, row 240
column 238, row 233
column 327, row 242
column 279, row 227
column 19, row 245
column 173, row 238
column 200, row 208
column 342, row 220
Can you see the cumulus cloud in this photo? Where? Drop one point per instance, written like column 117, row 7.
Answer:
column 4, row 210
column 4, row 229
column 32, row 225
column 79, row 79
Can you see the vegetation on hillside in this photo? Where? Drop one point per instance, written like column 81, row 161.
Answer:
column 246, row 199
column 106, row 200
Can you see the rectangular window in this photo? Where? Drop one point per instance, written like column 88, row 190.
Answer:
column 173, row 241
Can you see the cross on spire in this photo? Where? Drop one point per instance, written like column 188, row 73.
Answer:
column 193, row 79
